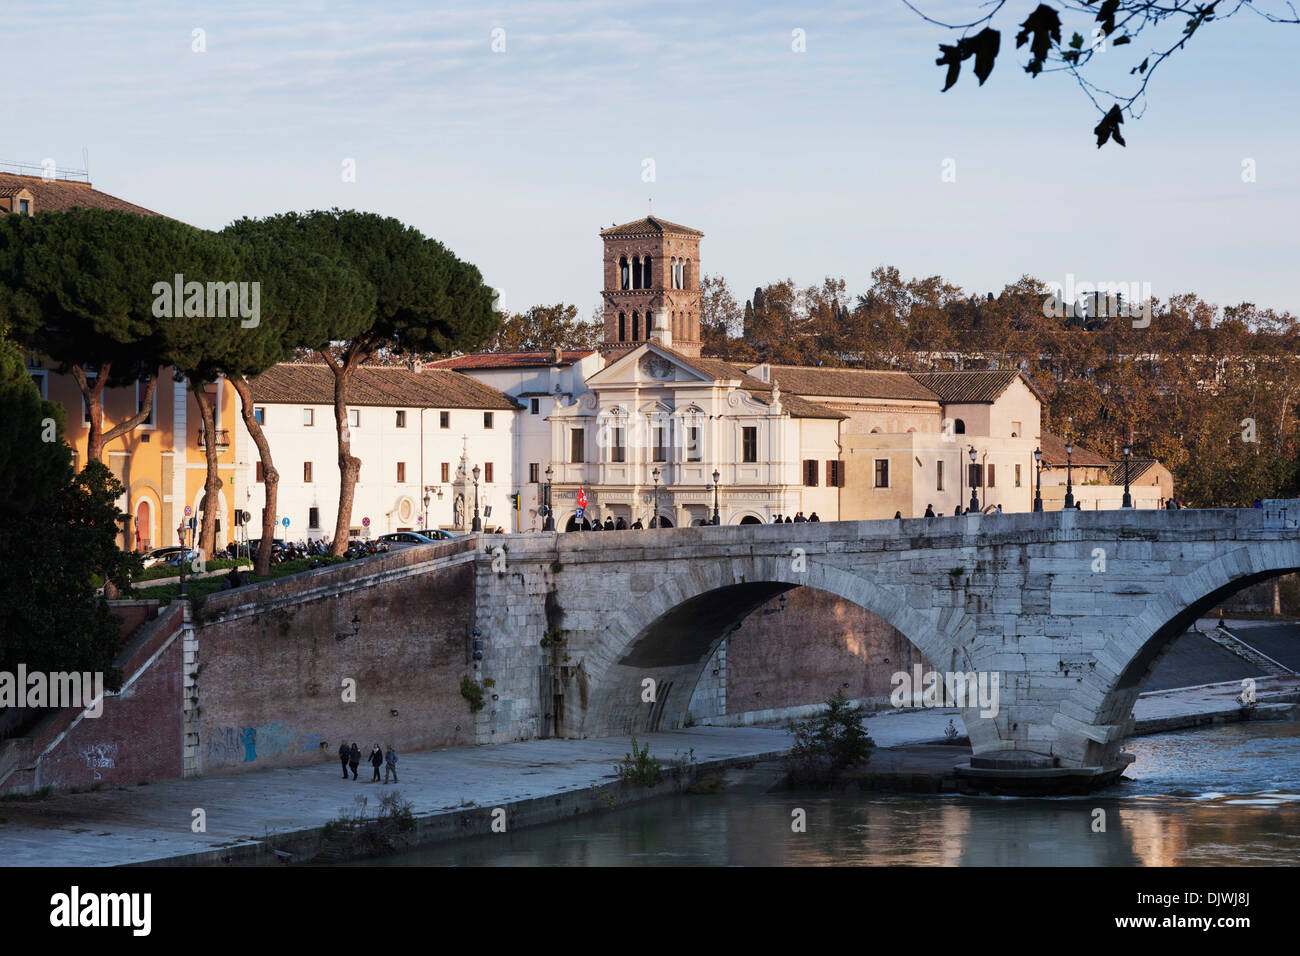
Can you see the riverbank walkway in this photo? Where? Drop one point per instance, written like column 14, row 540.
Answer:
column 151, row 823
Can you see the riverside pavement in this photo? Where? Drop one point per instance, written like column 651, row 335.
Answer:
column 153, row 823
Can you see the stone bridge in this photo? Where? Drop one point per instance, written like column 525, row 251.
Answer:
column 1070, row 609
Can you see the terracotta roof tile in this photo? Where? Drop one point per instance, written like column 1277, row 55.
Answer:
column 312, row 383
column 973, row 388
column 724, row 371
column 60, row 195
column 850, row 383
column 1136, row 469
column 1053, row 449
column 651, row 225
column 486, row 360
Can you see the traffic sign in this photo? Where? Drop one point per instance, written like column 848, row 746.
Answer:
column 365, row 522
column 188, row 511
column 286, row 522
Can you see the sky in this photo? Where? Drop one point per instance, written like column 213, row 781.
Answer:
column 825, row 161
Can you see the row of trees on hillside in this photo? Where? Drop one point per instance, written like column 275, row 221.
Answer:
column 91, row 290
column 1211, row 393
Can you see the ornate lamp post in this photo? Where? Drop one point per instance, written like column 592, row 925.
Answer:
column 1038, row 486
column 478, row 522
column 654, row 521
column 716, row 477
column 426, row 509
column 549, row 523
column 1128, row 498
column 974, row 500
column 1069, row 475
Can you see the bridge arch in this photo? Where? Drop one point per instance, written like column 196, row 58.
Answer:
column 1122, row 666
column 669, row 633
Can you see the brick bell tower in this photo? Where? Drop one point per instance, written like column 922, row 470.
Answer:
column 652, row 286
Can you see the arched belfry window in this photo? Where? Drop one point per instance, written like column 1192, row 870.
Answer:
column 624, row 273
column 959, row 427
column 686, row 274
column 647, row 275
column 622, row 327
column 636, row 328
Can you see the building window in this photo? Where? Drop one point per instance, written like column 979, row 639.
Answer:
column 24, row 206
column 140, row 389
column 354, row 417
column 1017, row 429
column 810, row 472
column 306, row 472
column 261, row 472
column 991, row 475
column 487, row 472
column 308, row 417
column 661, row 447
column 446, row 472
column 834, row 474
column 939, row 486
column 401, row 472
column 618, row 451
column 534, row 406
column 622, row 327
column 882, row 472
column 259, row 414
column 959, row 427
column 444, row 419
column 749, row 443
column 401, row 418
column 534, row 471
column 1017, row 476
column 576, row 453
column 693, row 450
column 313, row 517
column 487, row 419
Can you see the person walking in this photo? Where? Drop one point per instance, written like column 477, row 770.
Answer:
column 376, row 761
column 637, row 525
column 390, row 764
column 789, row 520
column 344, row 752
column 898, row 515
column 799, row 518
column 997, row 510
column 354, row 759
column 609, row 523
column 929, row 511
column 776, row 520
column 813, row 517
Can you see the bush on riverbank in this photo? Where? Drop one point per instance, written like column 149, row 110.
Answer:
column 828, row 744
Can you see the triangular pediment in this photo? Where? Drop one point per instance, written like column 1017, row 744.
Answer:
column 648, row 365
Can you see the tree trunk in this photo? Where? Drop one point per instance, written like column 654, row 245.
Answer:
column 349, row 464
column 93, row 394
column 212, row 482
column 262, row 563
column 128, row 426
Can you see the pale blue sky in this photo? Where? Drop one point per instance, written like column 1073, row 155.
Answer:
column 793, row 164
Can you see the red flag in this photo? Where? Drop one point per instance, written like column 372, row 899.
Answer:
column 582, row 498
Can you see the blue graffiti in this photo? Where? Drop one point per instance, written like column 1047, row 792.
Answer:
column 226, row 745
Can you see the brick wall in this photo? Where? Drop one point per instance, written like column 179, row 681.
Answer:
column 271, row 682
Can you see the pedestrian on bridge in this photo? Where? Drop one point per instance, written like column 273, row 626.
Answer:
column 344, row 752
column 813, row 517
column 929, row 511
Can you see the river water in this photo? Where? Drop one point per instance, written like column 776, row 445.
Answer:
column 1227, row 795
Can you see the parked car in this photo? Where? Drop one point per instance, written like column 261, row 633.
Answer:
column 406, row 539
column 161, row 555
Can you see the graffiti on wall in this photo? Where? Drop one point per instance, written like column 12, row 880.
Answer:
column 227, row 745
column 100, row 757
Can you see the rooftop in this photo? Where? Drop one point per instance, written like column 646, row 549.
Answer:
column 60, row 195
column 974, row 388
column 390, row 386
column 491, row 360
column 650, row 225
column 849, row 383
column 1053, row 448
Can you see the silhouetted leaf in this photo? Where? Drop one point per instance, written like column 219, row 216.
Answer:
column 1108, row 128
column 1040, row 29
column 986, row 43
column 1106, row 16
column 1076, row 42
column 1120, row 41
column 951, row 56
column 1141, row 68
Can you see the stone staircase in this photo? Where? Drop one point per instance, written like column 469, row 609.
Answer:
column 1233, row 644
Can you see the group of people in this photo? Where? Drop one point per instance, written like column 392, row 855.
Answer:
column 350, row 757
column 797, row 519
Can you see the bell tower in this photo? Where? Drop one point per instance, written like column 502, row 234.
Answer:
column 652, row 285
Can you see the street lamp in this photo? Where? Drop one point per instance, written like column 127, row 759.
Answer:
column 549, row 523
column 716, row 477
column 426, row 508
column 1128, row 498
column 1069, row 475
column 654, row 521
column 478, row 522
column 1038, row 487
column 974, row 501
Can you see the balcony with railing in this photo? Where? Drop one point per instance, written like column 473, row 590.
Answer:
column 223, row 438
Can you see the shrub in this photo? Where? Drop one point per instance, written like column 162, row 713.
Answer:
column 639, row 767
column 830, row 742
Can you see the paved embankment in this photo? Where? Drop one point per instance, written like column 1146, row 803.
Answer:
column 453, row 792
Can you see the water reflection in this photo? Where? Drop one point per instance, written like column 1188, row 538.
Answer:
column 1225, row 795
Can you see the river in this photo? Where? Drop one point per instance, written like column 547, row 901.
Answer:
column 1226, row 795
